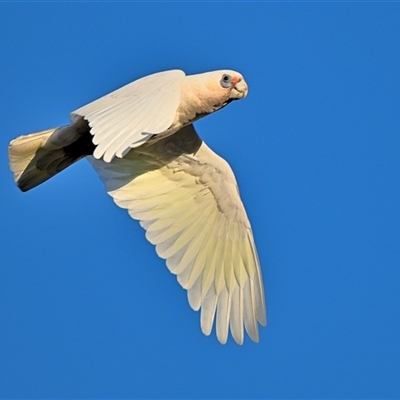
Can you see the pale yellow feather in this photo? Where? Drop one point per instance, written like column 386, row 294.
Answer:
column 189, row 204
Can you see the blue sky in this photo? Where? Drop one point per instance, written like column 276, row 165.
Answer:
column 87, row 309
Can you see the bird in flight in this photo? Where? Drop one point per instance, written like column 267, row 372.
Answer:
column 142, row 142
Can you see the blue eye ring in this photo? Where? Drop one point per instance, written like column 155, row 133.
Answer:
column 226, row 81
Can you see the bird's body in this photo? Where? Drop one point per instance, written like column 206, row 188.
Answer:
column 141, row 141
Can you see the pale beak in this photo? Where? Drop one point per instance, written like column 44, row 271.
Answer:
column 239, row 91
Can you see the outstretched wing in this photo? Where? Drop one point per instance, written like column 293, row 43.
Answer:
column 186, row 197
column 129, row 116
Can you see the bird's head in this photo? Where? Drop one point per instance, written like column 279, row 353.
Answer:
column 228, row 84
column 216, row 89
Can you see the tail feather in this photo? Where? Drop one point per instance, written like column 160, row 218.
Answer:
column 22, row 153
column 33, row 162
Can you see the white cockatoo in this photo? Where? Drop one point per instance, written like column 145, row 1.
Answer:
column 141, row 141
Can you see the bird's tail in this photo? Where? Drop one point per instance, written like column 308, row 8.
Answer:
column 37, row 157
column 23, row 153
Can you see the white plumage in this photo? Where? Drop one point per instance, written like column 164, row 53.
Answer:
column 129, row 116
column 185, row 196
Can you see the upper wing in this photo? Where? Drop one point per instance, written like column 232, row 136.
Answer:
column 130, row 115
column 186, row 197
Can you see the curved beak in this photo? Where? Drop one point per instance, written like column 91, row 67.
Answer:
column 239, row 91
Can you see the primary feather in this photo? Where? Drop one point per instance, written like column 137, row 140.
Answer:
column 141, row 141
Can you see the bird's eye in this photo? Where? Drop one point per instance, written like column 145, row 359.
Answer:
column 226, row 81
